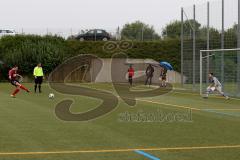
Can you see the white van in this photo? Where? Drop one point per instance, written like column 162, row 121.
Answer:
column 7, row 32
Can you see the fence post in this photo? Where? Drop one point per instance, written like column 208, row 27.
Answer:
column 182, row 47
column 222, row 45
column 142, row 33
column 194, row 47
column 201, row 72
column 238, row 54
column 208, row 38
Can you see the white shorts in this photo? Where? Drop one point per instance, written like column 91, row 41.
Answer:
column 218, row 88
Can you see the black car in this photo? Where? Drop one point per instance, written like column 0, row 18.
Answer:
column 94, row 35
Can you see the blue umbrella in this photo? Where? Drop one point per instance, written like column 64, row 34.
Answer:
column 166, row 65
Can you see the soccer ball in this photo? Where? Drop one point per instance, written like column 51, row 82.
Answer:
column 205, row 96
column 51, row 96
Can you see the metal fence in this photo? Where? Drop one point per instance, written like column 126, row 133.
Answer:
column 207, row 26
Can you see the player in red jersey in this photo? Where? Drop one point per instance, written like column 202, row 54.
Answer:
column 13, row 77
column 130, row 74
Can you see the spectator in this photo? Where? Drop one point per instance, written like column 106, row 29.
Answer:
column 163, row 77
column 130, row 74
column 149, row 74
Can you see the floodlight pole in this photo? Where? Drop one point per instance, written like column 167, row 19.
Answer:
column 238, row 53
column 208, row 37
column 194, row 47
column 222, row 45
column 201, row 70
column 142, row 33
column 182, row 47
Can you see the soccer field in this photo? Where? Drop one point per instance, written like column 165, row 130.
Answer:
column 207, row 129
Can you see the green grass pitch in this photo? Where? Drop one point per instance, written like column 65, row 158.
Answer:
column 30, row 130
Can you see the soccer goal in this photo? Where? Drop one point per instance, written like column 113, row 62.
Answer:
column 225, row 65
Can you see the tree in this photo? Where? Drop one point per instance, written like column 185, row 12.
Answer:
column 173, row 29
column 230, row 37
column 139, row 31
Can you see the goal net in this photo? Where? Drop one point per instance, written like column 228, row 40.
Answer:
column 225, row 65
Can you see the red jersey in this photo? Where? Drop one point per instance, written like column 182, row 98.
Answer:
column 12, row 74
column 131, row 72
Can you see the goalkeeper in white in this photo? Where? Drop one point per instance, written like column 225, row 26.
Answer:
column 214, row 86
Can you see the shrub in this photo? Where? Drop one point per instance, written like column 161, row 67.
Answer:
column 27, row 50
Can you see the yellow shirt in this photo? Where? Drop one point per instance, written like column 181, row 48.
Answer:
column 38, row 72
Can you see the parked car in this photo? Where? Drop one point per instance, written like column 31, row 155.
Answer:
column 94, row 35
column 7, row 32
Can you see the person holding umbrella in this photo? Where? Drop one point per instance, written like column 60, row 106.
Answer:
column 165, row 66
column 149, row 74
column 163, row 77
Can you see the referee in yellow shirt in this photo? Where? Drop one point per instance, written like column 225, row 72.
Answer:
column 38, row 74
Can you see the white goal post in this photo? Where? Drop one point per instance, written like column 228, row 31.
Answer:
column 225, row 65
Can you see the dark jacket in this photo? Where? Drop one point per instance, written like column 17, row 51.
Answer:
column 149, row 71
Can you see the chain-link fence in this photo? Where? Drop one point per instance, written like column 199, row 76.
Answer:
column 207, row 26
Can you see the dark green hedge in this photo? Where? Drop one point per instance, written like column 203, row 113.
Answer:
column 27, row 50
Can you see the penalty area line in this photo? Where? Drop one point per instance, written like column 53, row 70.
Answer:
column 121, row 150
column 167, row 104
column 193, row 109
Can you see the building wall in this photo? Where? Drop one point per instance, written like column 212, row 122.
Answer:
column 119, row 68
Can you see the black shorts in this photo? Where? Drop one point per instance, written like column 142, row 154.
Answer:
column 130, row 79
column 14, row 82
column 38, row 80
column 164, row 78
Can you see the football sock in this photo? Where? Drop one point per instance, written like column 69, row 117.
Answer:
column 39, row 88
column 35, row 88
column 23, row 88
column 15, row 92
